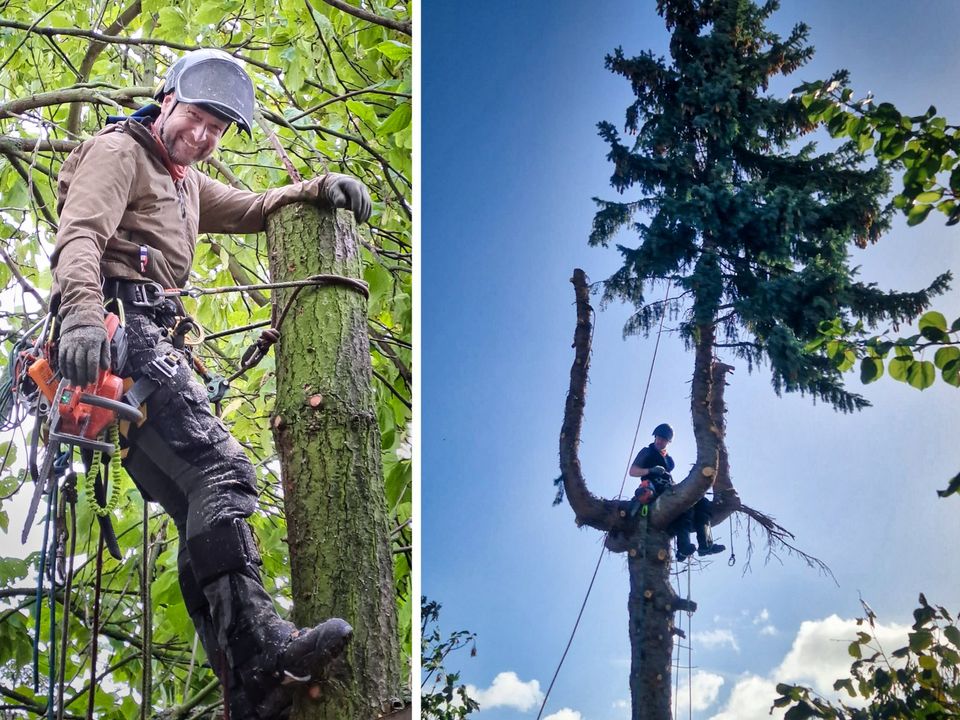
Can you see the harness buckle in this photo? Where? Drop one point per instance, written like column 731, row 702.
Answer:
column 166, row 364
column 147, row 295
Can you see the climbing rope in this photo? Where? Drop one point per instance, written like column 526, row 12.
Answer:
column 320, row 279
column 146, row 685
column 69, row 504
column 95, row 631
column 689, row 650
column 626, row 473
column 46, row 552
column 678, row 646
column 733, row 556
column 269, row 337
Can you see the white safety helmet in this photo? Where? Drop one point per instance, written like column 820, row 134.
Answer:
column 214, row 80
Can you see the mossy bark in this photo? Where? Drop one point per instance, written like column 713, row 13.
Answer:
column 326, row 431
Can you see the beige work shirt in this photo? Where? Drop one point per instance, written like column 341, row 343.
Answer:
column 118, row 203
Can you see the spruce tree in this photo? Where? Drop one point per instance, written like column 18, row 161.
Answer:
column 753, row 228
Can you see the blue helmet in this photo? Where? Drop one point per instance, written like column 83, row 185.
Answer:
column 663, row 430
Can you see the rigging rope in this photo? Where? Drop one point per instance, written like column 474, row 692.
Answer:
column 70, row 506
column 623, row 484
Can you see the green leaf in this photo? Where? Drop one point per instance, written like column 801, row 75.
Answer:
column 393, row 50
column 172, row 20
column 295, row 75
column 921, row 374
column 920, row 640
column 933, row 319
column 209, row 13
column 398, row 120
column 917, row 214
column 952, row 633
column 952, row 487
column 931, row 196
column 899, row 367
column 951, row 372
column 854, row 650
column 944, row 355
column 845, row 684
column 934, row 334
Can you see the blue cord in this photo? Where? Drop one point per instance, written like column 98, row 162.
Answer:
column 52, row 670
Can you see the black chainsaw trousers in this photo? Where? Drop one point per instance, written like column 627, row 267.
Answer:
column 183, row 457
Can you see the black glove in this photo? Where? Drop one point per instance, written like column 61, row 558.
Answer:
column 657, row 471
column 343, row 191
column 83, row 351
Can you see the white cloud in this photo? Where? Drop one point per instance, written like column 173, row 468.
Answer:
column 621, row 704
column 817, row 658
column 750, row 699
column 565, row 714
column 715, row 638
column 819, row 653
column 507, row 690
column 702, row 692
column 763, row 619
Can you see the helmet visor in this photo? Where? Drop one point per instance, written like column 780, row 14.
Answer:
column 220, row 85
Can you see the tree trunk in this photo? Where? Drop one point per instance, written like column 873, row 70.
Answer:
column 329, row 444
column 651, row 607
column 646, row 538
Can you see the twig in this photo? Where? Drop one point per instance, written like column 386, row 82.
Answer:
column 24, row 283
column 402, row 27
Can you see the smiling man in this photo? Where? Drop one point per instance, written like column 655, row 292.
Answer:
column 131, row 205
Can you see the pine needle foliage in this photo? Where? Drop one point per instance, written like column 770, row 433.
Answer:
column 730, row 204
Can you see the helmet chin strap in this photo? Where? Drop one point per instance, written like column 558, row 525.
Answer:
column 161, row 119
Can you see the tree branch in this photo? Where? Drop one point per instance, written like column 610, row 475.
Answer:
column 590, row 510
column 725, row 497
column 93, row 52
column 9, row 143
column 676, row 500
column 72, row 95
column 24, row 283
column 401, row 27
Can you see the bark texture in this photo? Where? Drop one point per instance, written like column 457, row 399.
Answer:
column 329, row 443
column 652, row 602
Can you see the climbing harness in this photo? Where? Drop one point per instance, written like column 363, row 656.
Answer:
column 68, row 419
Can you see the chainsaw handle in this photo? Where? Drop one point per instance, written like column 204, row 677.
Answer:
column 122, row 409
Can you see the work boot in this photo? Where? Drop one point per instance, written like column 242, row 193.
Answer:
column 705, row 543
column 268, row 654
column 685, row 548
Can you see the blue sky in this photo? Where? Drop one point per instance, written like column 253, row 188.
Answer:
column 511, row 96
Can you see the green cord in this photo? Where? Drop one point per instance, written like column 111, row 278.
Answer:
column 89, row 481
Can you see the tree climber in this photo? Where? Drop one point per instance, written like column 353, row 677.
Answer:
column 653, row 463
column 131, row 206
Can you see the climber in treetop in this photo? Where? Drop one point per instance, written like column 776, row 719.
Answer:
column 655, row 464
